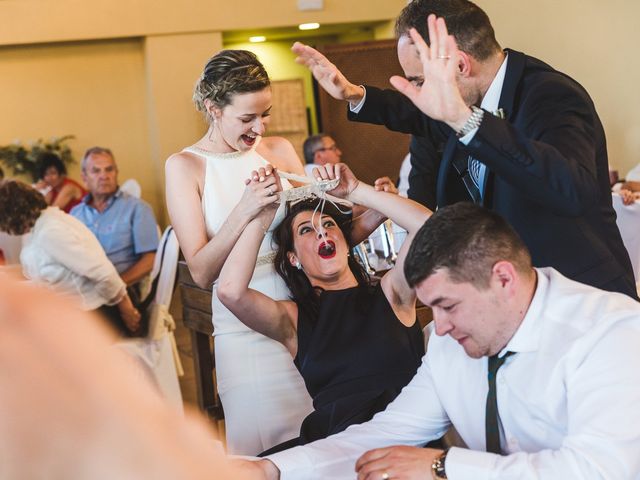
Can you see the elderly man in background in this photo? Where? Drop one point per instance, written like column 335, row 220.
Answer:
column 320, row 150
column 124, row 225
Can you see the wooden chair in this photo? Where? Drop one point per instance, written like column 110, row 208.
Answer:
column 196, row 315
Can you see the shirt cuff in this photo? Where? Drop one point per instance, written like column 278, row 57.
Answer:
column 292, row 463
column 468, row 137
column 463, row 464
column 358, row 107
column 118, row 296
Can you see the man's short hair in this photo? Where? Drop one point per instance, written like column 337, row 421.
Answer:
column 467, row 22
column 468, row 241
column 311, row 145
column 95, row 151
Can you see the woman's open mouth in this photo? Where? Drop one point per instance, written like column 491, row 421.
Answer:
column 248, row 140
column 327, row 249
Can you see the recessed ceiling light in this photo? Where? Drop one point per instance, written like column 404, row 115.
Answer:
column 308, row 26
column 257, row 39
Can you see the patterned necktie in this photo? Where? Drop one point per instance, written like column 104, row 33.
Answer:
column 474, row 166
column 471, row 170
column 491, row 418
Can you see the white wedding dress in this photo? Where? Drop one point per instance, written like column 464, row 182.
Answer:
column 263, row 395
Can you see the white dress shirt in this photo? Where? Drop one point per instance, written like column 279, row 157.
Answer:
column 568, row 399
column 61, row 252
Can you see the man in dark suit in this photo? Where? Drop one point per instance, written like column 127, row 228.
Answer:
column 515, row 135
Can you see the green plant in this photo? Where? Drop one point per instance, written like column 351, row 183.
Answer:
column 23, row 159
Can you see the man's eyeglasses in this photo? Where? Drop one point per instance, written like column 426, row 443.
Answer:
column 333, row 147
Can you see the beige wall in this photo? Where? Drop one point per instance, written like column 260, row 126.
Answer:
column 133, row 96
column 594, row 42
column 93, row 90
column 58, row 20
column 173, row 63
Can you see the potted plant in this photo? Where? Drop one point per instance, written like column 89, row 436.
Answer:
column 23, row 159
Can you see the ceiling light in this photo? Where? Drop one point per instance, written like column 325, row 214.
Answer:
column 257, row 39
column 308, row 26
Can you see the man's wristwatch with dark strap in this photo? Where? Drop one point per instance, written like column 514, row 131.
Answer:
column 438, row 465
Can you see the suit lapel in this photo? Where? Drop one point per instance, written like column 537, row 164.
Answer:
column 515, row 70
column 512, row 77
column 444, row 170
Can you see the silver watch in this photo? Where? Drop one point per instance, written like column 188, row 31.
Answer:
column 473, row 122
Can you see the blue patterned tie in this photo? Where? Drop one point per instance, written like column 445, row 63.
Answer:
column 474, row 166
column 470, row 172
column 491, row 418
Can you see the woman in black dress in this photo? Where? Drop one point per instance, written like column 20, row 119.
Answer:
column 356, row 344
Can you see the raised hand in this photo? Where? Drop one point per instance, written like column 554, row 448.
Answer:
column 348, row 181
column 327, row 74
column 439, row 97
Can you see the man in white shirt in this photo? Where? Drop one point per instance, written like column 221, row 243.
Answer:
column 564, row 405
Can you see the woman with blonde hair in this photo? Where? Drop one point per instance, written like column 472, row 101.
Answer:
column 209, row 203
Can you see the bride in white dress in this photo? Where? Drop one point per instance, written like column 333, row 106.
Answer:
column 263, row 395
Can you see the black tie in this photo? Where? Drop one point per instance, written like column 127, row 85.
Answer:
column 491, row 419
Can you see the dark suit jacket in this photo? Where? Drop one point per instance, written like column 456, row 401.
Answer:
column 547, row 169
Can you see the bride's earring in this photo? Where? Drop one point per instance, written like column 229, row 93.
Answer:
column 298, row 265
column 213, row 125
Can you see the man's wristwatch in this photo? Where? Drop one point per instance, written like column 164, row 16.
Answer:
column 473, row 122
column 437, row 467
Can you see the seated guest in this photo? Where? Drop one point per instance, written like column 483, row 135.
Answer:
column 62, row 253
column 630, row 192
column 58, row 190
column 124, row 225
column 563, row 405
column 355, row 344
column 629, row 189
column 320, row 150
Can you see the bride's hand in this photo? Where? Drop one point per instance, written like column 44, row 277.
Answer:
column 261, row 192
column 348, row 181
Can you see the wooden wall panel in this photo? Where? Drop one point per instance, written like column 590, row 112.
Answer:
column 371, row 151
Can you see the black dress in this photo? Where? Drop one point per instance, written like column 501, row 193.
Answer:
column 355, row 357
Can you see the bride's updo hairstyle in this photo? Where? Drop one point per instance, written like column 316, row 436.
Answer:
column 227, row 73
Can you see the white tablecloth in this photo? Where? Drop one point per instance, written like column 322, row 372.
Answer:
column 629, row 225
